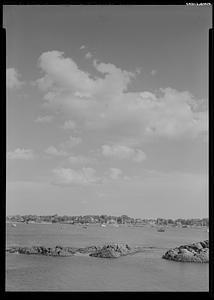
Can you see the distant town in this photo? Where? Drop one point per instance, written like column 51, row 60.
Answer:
column 105, row 219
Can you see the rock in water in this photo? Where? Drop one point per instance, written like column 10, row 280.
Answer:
column 196, row 252
column 107, row 251
column 114, row 251
column 41, row 250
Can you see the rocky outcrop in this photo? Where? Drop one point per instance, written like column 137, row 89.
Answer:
column 89, row 249
column 107, row 251
column 53, row 251
column 196, row 252
column 56, row 251
column 114, row 251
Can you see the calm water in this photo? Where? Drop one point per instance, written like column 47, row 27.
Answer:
column 145, row 271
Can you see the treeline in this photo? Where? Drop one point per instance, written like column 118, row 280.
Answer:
column 124, row 219
column 188, row 222
column 72, row 219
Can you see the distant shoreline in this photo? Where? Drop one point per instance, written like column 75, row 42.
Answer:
column 16, row 222
column 112, row 225
column 108, row 219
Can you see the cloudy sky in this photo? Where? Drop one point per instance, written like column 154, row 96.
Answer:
column 107, row 110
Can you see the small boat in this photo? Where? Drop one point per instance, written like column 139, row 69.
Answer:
column 85, row 226
column 13, row 225
column 103, row 225
column 208, row 230
column 161, row 230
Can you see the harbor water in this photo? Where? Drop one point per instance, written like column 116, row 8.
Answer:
column 145, row 271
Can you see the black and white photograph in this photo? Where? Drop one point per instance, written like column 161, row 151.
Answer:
column 107, row 141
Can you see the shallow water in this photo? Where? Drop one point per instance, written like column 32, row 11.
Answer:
column 145, row 271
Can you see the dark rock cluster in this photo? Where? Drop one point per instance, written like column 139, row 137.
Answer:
column 89, row 249
column 48, row 251
column 52, row 251
column 108, row 251
column 114, row 251
column 196, row 252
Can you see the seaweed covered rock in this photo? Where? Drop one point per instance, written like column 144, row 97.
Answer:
column 89, row 249
column 106, row 251
column 196, row 252
column 41, row 250
column 53, row 251
column 114, row 251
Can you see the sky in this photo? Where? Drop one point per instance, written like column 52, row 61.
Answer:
column 107, row 110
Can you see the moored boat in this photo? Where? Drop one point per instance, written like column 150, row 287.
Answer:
column 161, row 229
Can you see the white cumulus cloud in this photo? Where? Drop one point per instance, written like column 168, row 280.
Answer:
column 55, row 152
column 44, row 119
column 67, row 177
column 69, row 125
column 68, row 86
column 25, row 154
column 153, row 72
column 123, row 152
column 104, row 102
column 80, row 159
column 13, row 79
column 71, row 142
column 115, row 173
column 88, row 55
column 63, row 148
